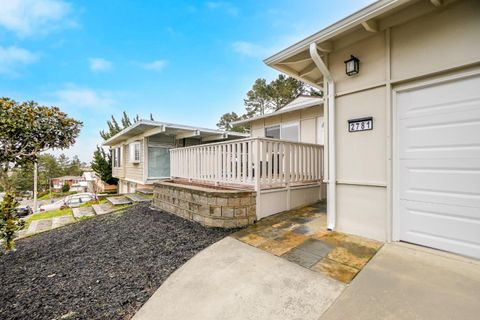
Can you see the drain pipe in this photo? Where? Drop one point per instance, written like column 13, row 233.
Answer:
column 330, row 97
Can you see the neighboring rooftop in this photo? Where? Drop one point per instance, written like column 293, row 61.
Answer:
column 69, row 178
column 301, row 102
column 156, row 127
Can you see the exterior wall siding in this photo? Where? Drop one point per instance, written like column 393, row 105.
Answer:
column 306, row 117
column 431, row 41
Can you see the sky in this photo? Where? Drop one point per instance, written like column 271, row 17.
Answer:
column 186, row 62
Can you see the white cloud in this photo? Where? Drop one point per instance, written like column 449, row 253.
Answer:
column 28, row 17
column 99, row 64
column 77, row 97
column 156, row 65
column 250, row 49
column 221, row 5
column 12, row 58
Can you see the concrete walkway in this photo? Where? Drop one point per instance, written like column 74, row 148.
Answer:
column 410, row 282
column 232, row 280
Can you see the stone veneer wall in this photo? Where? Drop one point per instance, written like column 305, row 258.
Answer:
column 209, row 207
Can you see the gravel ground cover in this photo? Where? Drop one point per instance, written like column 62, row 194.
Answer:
column 101, row 268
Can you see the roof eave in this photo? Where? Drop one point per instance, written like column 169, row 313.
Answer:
column 338, row 27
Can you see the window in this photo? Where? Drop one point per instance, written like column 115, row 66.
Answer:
column 116, row 157
column 158, row 162
column 289, row 131
column 272, row 132
column 134, row 149
column 286, row 131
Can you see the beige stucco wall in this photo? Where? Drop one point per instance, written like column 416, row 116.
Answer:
column 448, row 37
column 435, row 40
column 307, row 118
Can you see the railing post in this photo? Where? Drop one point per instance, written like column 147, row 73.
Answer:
column 256, row 167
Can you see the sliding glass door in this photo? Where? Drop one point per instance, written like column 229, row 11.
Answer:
column 158, row 162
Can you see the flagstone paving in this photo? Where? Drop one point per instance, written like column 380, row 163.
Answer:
column 301, row 236
column 83, row 212
column 103, row 208
column 119, row 200
column 137, row 197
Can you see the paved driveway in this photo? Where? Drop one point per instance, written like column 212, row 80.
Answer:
column 231, row 280
column 410, row 282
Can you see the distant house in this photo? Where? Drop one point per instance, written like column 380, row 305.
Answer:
column 141, row 152
column 93, row 183
column 72, row 181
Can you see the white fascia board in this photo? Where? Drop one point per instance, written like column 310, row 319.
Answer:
column 281, row 111
column 349, row 22
column 164, row 125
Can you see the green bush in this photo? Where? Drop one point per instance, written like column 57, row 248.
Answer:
column 66, row 188
column 9, row 221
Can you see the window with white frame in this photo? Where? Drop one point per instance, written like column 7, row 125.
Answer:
column 116, row 157
column 272, row 132
column 134, row 150
column 290, row 131
column 286, row 131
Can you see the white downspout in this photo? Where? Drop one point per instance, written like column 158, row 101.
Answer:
column 332, row 176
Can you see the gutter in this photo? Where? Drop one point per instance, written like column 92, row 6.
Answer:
column 332, row 173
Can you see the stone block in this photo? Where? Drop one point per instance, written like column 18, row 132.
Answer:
column 216, row 211
column 222, row 202
column 233, row 202
column 204, row 210
column 228, row 212
column 212, row 201
column 245, row 201
column 242, row 222
column 240, row 212
column 203, row 200
column 252, row 211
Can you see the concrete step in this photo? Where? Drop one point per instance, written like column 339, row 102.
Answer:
column 145, row 191
column 118, row 201
column 83, row 212
column 103, row 208
column 135, row 197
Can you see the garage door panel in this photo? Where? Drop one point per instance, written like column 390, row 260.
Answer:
column 438, row 225
column 454, row 136
column 439, row 165
column 447, row 181
column 443, row 98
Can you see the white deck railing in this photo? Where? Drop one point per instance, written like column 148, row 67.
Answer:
column 258, row 162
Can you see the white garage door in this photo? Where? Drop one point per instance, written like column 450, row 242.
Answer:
column 439, row 165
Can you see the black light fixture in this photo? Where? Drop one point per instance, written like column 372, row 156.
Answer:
column 352, row 66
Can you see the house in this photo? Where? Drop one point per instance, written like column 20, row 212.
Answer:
column 401, row 82
column 72, row 181
column 233, row 183
column 140, row 153
column 93, row 183
column 300, row 120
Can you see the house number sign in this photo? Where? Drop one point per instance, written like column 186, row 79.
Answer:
column 361, row 124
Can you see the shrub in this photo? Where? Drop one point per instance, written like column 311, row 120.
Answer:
column 9, row 221
column 66, row 188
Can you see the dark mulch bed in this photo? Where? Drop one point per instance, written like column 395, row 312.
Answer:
column 103, row 268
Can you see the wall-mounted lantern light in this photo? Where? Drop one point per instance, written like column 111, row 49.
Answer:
column 352, row 66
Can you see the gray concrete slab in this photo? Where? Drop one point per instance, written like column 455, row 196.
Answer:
column 145, row 191
column 232, row 280
column 119, row 200
column 137, row 197
column 103, row 208
column 40, row 225
column 409, row 282
column 83, row 212
column 61, row 221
